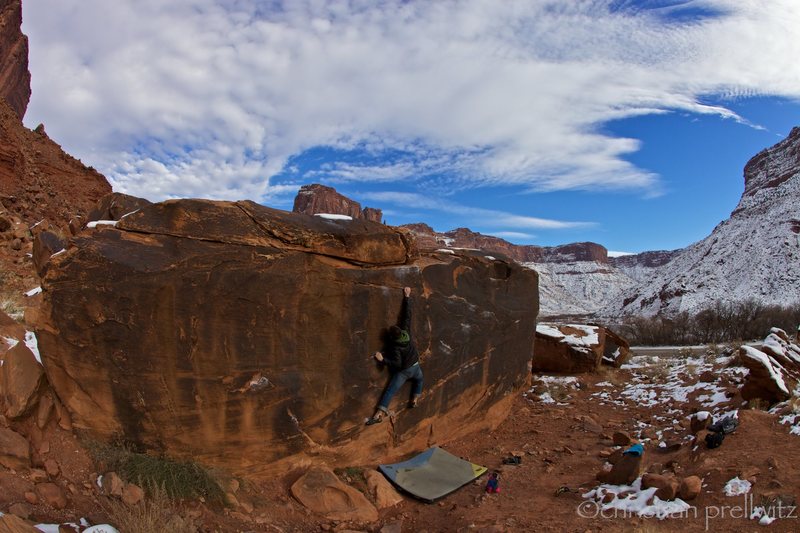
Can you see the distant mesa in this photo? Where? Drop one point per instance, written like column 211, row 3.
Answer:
column 466, row 238
column 315, row 199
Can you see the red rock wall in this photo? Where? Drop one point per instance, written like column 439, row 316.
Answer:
column 15, row 79
column 242, row 336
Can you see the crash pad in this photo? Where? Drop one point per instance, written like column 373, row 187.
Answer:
column 432, row 474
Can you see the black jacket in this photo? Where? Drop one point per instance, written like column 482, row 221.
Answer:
column 402, row 354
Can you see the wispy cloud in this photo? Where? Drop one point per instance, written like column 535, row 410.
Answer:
column 513, row 235
column 477, row 216
column 212, row 98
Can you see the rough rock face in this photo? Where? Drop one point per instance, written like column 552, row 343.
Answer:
column 15, row 79
column 316, row 198
column 773, row 166
column 242, row 336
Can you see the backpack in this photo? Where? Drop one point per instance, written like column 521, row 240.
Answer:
column 714, row 440
column 726, row 425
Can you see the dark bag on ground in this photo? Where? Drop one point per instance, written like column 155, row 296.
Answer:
column 714, row 440
column 726, row 425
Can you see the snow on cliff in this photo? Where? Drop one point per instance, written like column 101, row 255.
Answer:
column 755, row 254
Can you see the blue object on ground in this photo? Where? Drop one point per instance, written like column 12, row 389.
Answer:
column 636, row 450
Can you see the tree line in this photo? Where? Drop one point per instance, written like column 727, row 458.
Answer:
column 717, row 323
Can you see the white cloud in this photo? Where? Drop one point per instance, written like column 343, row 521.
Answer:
column 476, row 215
column 513, row 235
column 211, row 98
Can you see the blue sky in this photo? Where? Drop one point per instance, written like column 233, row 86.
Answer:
column 621, row 122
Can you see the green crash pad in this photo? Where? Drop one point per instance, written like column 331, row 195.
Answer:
column 432, row 474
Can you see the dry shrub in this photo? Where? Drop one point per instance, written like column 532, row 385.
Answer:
column 154, row 513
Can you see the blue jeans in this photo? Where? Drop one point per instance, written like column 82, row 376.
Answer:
column 413, row 373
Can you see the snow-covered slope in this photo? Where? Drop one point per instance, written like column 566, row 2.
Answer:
column 579, row 288
column 754, row 254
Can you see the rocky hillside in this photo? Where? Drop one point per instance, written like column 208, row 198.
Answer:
column 41, row 187
column 15, row 79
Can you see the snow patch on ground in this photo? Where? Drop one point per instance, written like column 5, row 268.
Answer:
column 737, row 487
column 633, row 500
column 33, row 292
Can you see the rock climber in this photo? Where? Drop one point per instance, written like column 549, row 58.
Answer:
column 402, row 358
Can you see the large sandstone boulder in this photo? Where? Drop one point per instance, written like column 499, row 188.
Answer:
column 576, row 348
column 774, row 368
column 241, row 336
column 569, row 349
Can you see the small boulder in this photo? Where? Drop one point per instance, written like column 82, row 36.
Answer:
column 590, row 424
column 381, row 490
column 132, row 494
column 22, row 510
column 690, row 488
column 394, row 527
column 624, row 472
column 52, row 468
column 21, row 378
column 112, row 484
column 621, row 438
column 320, row 491
column 15, row 452
column 699, row 421
column 667, row 485
column 52, row 495
column 44, row 411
